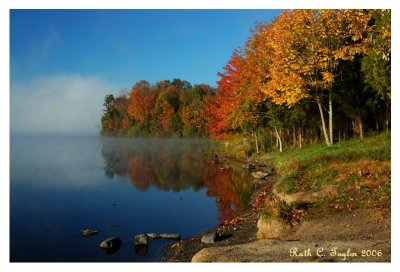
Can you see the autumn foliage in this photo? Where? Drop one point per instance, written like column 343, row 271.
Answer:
column 306, row 76
column 141, row 104
column 168, row 108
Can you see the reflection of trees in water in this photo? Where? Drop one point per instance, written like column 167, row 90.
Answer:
column 180, row 164
column 141, row 171
column 231, row 189
column 166, row 164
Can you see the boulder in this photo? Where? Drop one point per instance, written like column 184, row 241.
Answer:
column 259, row 175
column 111, row 245
column 269, row 170
column 172, row 236
column 208, row 238
column 88, row 232
column 141, row 240
column 272, row 227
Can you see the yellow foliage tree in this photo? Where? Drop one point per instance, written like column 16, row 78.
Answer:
column 303, row 49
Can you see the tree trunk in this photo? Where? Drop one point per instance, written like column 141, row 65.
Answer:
column 323, row 124
column 256, row 137
column 278, row 138
column 388, row 121
column 360, row 128
column 294, row 136
column 330, row 116
column 300, row 138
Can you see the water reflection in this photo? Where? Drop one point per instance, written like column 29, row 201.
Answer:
column 167, row 164
column 177, row 164
column 231, row 189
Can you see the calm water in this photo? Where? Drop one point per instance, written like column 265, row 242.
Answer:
column 120, row 187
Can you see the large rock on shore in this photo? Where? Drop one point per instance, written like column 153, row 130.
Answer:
column 259, row 175
column 271, row 227
column 272, row 250
column 303, row 197
column 208, row 238
column 329, row 234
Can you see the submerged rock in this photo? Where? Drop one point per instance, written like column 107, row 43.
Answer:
column 88, row 232
column 153, row 235
column 172, row 236
column 259, row 175
column 141, row 240
column 111, row 245
column 208, row 238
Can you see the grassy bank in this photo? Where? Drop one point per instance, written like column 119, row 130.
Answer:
column 351, row 174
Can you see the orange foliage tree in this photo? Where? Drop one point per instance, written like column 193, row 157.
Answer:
column 306, row 48
column 141, row 105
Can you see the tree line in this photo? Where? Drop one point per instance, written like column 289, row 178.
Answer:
column 167, row 109
column 306, row 76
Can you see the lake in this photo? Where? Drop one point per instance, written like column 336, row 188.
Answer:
column 60, row 185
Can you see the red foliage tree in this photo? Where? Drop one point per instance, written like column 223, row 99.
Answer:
column 223, row 107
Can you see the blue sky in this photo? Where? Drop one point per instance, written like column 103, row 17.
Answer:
column 105, row 51
column 124, row 46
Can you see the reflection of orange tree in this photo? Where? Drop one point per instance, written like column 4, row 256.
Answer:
column 141, row 171
column 177, row 165
column 232, row 190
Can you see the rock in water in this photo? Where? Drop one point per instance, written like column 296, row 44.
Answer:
column 111, row 245
column 172, row 236
column 141, row 250
column 88, row 232
column 208, row 238
column 153, row 235
column 141, row 240
column 141, row 243
column 259, row 175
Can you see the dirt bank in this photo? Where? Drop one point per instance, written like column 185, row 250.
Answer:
column 361, row 235
column 357, row 236
column 325, row 231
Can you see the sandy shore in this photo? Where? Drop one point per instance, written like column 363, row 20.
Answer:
column 361, row 235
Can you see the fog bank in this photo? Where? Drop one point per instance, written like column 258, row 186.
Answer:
column 58, row 104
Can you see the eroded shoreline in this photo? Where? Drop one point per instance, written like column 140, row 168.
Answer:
column 359, row 235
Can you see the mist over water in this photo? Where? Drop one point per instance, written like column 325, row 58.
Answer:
column 63, row 184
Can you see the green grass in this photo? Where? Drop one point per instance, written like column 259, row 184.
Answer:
column 356, row 172
column 306, row 168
